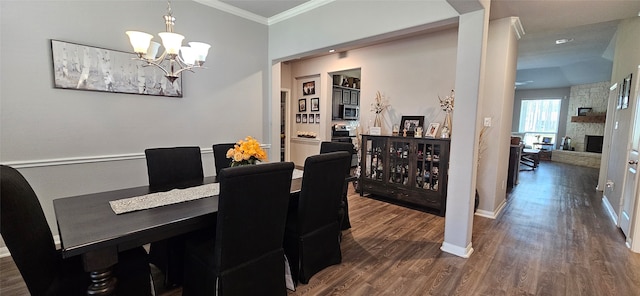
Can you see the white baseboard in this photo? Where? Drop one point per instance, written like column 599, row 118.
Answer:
column 4, row 251
column 492, row 214
column 612, row 213
column 456, row 250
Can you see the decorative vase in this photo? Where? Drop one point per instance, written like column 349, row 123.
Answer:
column 446, row 127
column 378, row 120
column 250, row 161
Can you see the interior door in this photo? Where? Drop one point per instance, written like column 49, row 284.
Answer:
column 629, row 195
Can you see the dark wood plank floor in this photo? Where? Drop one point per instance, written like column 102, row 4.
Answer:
column 553, row 238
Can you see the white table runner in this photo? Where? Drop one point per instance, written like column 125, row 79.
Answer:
column 158, row 199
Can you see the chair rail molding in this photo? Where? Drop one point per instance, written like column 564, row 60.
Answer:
column 91, row 159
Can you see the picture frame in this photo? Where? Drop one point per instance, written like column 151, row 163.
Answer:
column 410, row 123
column 309, row 88
column 304, row 118
column 298, row 118
column 315, row 104
column 582, row 111
column 432, row 131
column 302, row 105
column 318, row 118
column 89, row 68
column 311, row 118
column 626, row 92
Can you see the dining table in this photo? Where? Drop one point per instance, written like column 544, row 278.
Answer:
column 89, row 227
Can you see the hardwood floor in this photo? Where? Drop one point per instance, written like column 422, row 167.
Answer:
column 552, row 238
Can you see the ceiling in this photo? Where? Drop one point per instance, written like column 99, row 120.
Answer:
column 541, row 63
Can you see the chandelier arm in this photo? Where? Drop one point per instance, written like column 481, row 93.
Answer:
column 152, row 62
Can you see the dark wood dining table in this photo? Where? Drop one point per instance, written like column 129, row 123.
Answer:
column 88, row 227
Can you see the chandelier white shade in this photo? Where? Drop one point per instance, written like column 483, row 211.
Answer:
column 176, row 58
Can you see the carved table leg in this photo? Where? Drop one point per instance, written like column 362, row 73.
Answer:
column 99, row 264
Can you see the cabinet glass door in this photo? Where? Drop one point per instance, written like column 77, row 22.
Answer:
column 399, row 162
column 428, row 166
column 374, row 166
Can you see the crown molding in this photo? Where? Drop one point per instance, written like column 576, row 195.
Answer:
column 234, row 10
column 302, row 8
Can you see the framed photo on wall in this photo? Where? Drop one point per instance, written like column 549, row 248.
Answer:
column 298, row 118
column 410, row 123
column 315, row 104
column 318, row 118
column 302, row 105
column 304, row 118
column 309, row 88
column 311, row 118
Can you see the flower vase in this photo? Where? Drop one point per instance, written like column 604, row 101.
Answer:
column 378, row 120
column 446, row 127
column 243, row 162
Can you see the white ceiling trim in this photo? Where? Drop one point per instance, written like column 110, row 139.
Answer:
column 302, row 8
column 234, row 10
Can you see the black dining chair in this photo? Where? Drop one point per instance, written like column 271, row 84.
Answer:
column 28, row 237
column 327, row 147
column 220, row 159
column 244, row 256
column 169, row 168
column 312, row 232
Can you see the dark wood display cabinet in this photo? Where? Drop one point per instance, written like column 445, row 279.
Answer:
column 407, row 171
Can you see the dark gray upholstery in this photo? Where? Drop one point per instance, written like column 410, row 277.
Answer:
column 244, row 256
column 326, row 147
column 28, row 237
column 169, row 168
column 312, row 233
column 220, row 159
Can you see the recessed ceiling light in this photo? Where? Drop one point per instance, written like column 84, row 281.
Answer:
column 564, row 40
column 332, row 50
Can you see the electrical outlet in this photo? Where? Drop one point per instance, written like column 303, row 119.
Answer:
column 487, row 121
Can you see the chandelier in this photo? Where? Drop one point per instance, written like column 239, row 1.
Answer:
column 176, row 58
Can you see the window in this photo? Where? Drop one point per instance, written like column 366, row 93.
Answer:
column 539, row 119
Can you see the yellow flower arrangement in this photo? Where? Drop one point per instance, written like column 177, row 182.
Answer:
column 245, row 152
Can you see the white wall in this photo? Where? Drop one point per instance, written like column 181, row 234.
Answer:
column 39, row 123
column 410, row 72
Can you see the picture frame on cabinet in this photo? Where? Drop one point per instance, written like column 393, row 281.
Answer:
column 298, row 118
column 304, row 118
column 315, row 104
column 432, row 131
column 410, row 123
column 318, row 118
column 302, row 105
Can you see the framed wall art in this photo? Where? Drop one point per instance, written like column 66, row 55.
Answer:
column 304, row 118
column 315, row 104
column 83, row 67
column 309, row 88
column 302, row 105
column 317, row 118
column 298, row 118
